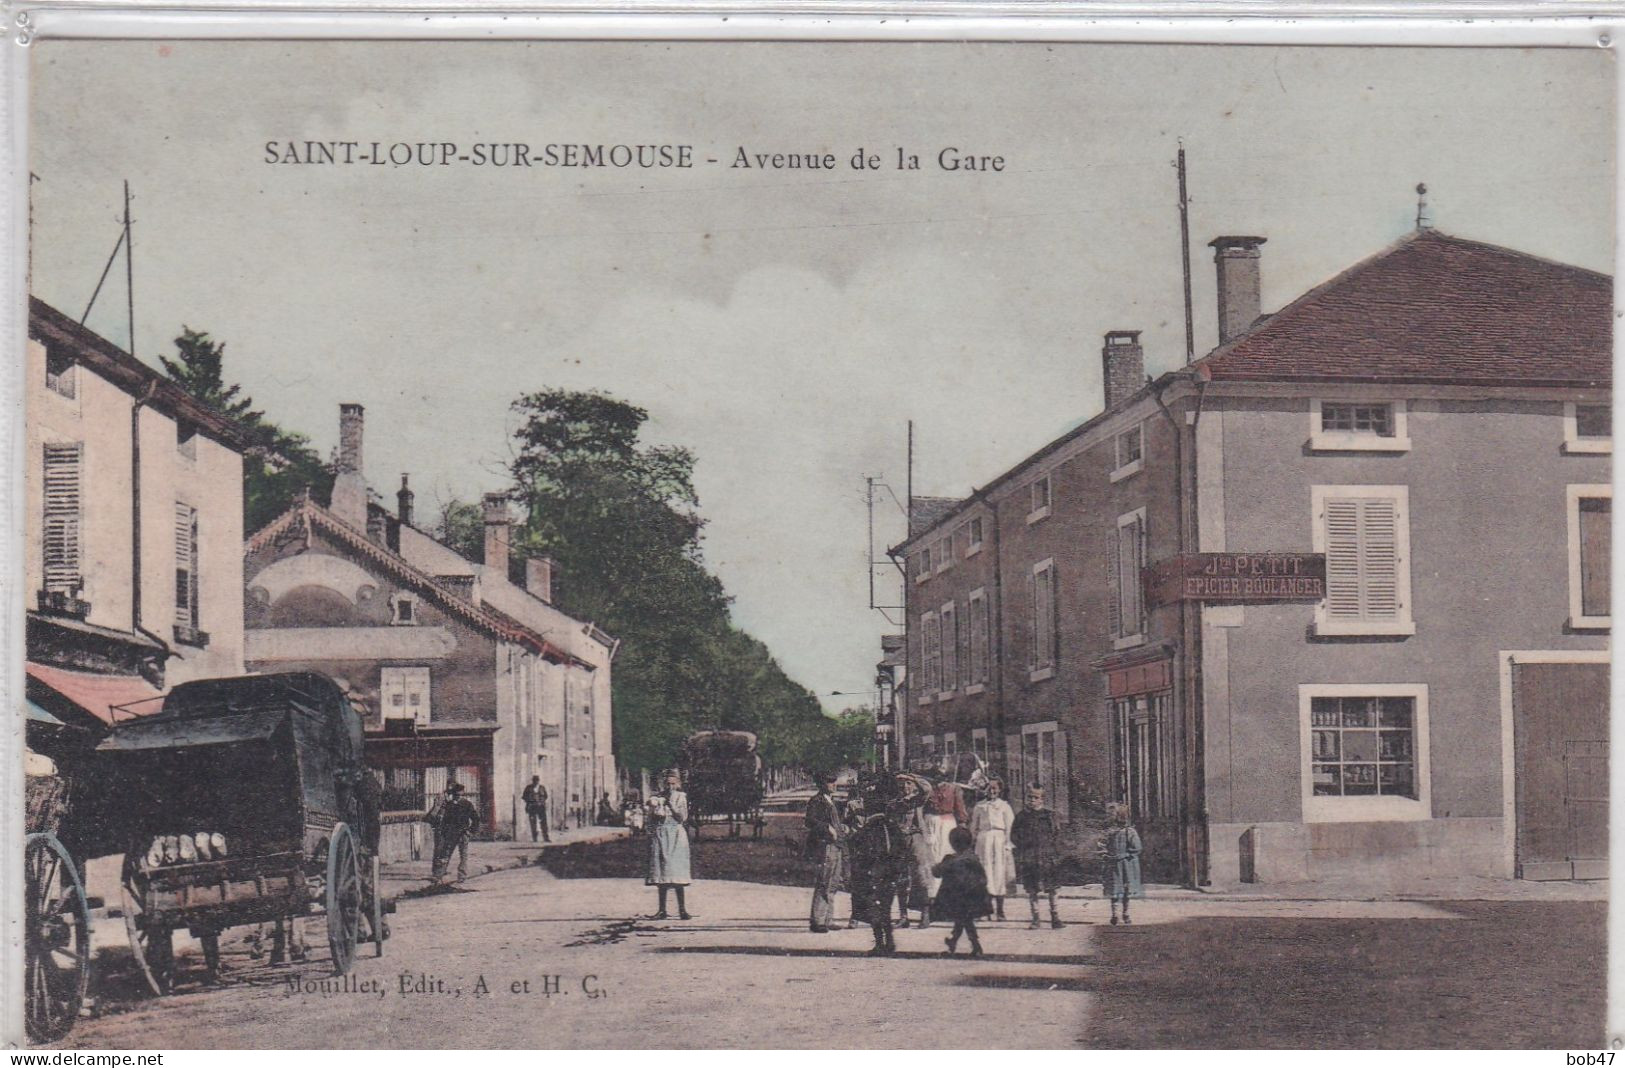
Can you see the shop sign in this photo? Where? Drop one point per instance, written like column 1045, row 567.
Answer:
column 1237, row 578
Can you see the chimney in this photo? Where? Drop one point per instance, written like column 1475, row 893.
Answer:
column 403, row 502
column 349, row 502
column 539, row 577
column 1122, row 366
column 1236, row 259
column 497, row 523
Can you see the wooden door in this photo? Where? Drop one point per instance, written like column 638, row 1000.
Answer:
column 1560, row 726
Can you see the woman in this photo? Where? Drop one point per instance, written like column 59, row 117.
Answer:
column 668, row 844
column 990, row 824
column 921, row 887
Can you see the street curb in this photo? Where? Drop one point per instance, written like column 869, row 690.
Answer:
column 518, row 860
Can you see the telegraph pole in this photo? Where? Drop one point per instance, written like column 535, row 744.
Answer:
column 1185, row 255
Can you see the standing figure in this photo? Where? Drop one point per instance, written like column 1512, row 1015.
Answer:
column 1037, row 847
column 990, row 824
column 1120, row 849
column 944, row 810
column 535, row 798
column 668, row 844
column 963, row 895
column 606, row 811
column 823, row 848
column 881, row 858
column 921, row 885
column 453, row 819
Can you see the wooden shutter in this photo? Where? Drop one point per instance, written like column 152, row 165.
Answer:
column 1596, row 530
column 1061, row 778
column 1032, row 599
column 964, row 628
column 950, row 647
column 186, row 585
column 1130, row 556
column 1114, row 592
column 1379, row 557
column 61, row 534
column 1362, row 558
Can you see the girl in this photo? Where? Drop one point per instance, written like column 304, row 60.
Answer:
column 668, row 844
column 990, row 825
column 1120, row 849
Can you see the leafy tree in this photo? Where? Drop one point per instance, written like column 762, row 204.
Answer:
column 279, row 464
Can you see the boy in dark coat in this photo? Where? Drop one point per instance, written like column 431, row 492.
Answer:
column 1034, row 839
column 963, row 896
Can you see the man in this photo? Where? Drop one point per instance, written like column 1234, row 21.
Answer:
column 881, row 858
column 535, row 798
column 824, row 833
column 453, row 818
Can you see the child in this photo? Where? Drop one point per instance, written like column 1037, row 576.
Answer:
column 1033, row 835
column 1120, row 849
column 962, row 897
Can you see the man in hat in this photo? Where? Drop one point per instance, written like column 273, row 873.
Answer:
column 453, row 819
column 824, row 833
column 535, row 798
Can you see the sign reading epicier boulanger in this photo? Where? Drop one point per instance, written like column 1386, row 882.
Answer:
column 1237, row 578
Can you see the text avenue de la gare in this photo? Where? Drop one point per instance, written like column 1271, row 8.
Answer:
column 618, row 157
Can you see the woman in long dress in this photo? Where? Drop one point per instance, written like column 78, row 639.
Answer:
column 990, row 824
column 668, row 844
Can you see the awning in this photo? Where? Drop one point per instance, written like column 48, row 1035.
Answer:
column 110, row 698
column 192, row 731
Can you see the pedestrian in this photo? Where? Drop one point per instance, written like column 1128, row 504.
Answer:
column 1037, row 848
column 990, row 824
column 963, row 895
column 606, row 811
column 917, row 838
column 668, row 844
column 944, row 810
column 1120, row 849
column 823, row 848
column 453, row 818
column 535, row 798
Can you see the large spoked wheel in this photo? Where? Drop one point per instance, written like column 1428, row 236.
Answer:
column 152, row 943
column 343, row 898
column 56, row 955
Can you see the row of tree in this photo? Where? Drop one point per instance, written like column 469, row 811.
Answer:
column 621, row 519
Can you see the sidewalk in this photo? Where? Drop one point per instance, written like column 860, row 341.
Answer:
column 1421, row 888
column 486, row 857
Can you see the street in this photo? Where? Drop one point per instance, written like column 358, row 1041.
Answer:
column 557, row 954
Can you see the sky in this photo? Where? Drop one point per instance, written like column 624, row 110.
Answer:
column 783, row 324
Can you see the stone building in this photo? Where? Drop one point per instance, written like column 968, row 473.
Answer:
column 1330, row 601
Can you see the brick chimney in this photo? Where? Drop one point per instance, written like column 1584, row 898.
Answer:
column 539, row 577
column 1236, row 259
column 403, row 502
column 1122, row 366
column 349, row 501
column 497, row 524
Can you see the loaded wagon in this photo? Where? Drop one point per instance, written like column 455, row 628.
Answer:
column 723, row 776
column 243, row 801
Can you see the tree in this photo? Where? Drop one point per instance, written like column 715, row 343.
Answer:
column 279, row 464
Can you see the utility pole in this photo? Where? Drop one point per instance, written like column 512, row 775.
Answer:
column 869, row 501
column 1185, row 255
column 129, row 267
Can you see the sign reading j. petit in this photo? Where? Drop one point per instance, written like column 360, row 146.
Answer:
column 1238, row 578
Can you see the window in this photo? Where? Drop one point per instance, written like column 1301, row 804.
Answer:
column 943, row 552
column 931, row 657
column 1038, row 756
column 1125, row 562
column 186, row 575
column 186, row 438
column 1591, row 528
column 928, row 744
column 950, row 745
column 1588, row 428
column 1041, row 588
column 61, row 374
column 403, row 693
column 1358, row 426
column 976, row 658
column 1130, row 452
column 978, row 744
column 1365, row 750
column 403, row 610
column 922, row 565
column 973, row 537
column 1364, row 532
column 63, row 518
column 950, row 650
column 1040, row 502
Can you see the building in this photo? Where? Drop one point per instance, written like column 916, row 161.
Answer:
column 1268, row 598
column 459, row 674
column 133, row 569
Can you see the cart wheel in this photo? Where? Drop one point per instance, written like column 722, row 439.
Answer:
column 379, row 931
column 56, row 957
column 343, row 898
column 153, row 945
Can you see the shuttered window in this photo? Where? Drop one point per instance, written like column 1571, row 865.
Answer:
column 1363, row 532
column 63, row 518
column 932, row 676
column 1128, row 608
column 950, row 648
column 186, row 566
column 1591, row 528
column 1041, row 587
column 978, row 638
column 403, row 693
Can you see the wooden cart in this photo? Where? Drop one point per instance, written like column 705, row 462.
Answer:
column 722, row 775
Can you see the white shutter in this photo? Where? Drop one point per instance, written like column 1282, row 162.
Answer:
column 185, row 565
column 1362, row 558
column 1379, row 557
column 1342, row 521
column 61, row 532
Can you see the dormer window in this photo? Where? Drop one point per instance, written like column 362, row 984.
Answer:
column 1129, row 447
column 1040, row 504
column 1358, row 426
column 61, row 374
column 973, row 537
column 403, row 610
column 186, row 438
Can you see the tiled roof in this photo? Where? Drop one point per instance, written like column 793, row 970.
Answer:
column 926, row 511
column 1439, row 309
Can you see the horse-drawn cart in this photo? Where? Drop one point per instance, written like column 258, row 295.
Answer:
column 243, row 801
column 723, row 776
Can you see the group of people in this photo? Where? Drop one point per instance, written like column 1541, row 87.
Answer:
column 909, row 840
